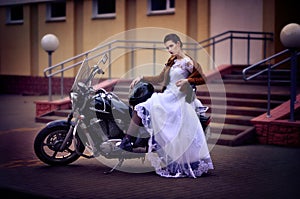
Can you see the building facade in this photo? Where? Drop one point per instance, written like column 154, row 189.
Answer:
column 81, row 25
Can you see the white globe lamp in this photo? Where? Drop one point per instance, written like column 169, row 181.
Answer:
column 49, row 43
column 290, row 35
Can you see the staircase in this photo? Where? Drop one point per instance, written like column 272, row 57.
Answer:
column 242, row 101
column 231, row 108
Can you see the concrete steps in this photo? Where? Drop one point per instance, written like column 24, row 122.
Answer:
column 232, row 104
column 54, row 115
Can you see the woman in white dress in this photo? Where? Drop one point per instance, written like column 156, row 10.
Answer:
column 177, row 144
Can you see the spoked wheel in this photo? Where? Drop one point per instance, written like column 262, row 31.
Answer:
column 48, row 142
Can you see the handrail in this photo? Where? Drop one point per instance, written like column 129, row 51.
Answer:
column 133, row 45
column 293, row 59
column 48, row 70
column 239, row 32
column 264, row 61
column 212, row 41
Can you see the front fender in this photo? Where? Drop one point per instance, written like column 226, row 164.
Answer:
column 59, row 123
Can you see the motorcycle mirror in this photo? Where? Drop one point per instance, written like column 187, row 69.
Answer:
column 104, row 58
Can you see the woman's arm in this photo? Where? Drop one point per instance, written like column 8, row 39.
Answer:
column 157, row 78
column 150, row 79
column 161, row 77
column 196, row 77
column 154, row 79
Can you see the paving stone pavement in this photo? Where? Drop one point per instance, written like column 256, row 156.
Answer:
column 252, row 171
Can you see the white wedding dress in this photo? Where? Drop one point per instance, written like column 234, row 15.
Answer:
column 177, row 144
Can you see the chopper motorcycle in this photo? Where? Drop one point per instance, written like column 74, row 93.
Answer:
column 97, row 123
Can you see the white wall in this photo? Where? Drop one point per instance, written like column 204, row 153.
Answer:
column 236, row 15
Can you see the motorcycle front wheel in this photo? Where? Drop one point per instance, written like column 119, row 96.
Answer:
column 48, row 142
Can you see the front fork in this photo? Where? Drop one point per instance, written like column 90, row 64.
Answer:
column 72, row 133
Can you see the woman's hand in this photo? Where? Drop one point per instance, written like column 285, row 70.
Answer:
column 182, row 84
column 135, row 81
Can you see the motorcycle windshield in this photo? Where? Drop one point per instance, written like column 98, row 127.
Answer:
column 82, row 75
column 86, row 76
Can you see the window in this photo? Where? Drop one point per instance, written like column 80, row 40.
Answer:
column 14, row 15
column 161, row 7
column 104, row 8
column 56, row 11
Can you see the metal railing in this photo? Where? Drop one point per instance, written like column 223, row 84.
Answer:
column 237, row 35
column 130, row 46
column 292, row 57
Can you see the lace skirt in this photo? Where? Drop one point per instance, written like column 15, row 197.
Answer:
column 177, row 144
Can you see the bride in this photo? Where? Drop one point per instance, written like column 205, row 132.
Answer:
column 177, row 144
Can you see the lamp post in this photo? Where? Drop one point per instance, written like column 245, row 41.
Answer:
column 290, row 38
column 49, row 43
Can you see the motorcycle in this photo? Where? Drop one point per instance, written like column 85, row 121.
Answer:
column 97, row 123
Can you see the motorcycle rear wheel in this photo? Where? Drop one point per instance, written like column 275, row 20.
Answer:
column 47, row 146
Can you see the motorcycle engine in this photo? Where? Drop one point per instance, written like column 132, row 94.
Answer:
column 110, row 146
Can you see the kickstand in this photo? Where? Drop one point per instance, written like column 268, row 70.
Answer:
column 116, row 166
